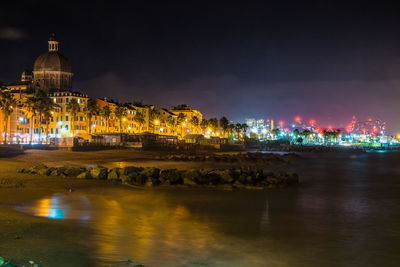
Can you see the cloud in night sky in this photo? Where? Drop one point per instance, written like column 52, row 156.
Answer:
column 12, row 34
column 322, row 60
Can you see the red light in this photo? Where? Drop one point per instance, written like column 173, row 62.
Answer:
column 312, row 122
column 281, row 123
column 297, row 119
column 364, row 131
column 369, row 119
column 330, row 128
column 267, row 120
column 286, row 129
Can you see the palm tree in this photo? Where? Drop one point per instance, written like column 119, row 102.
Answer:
column 32, row 107
column 181, row 118
column 155, row 119
column 46, row 109
column 238, row 129
column 224, row 123
column 204, row 125
column 230, row 129
column 105, row 113
column 120, row 111
column 307, row 134
column 139, row 118
column 275, row 132
column 171, row 123
column 213, row 124
column 7, row 104
column 73, row 109
column 91, row 110
column 195, row 122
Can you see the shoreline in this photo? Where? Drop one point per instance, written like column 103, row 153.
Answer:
column 23, row 235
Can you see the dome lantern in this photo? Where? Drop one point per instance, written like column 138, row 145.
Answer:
column 53, row 43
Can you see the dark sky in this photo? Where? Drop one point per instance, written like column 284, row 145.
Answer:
column 320, row 60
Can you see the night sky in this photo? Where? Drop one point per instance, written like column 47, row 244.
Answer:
column 323, row 60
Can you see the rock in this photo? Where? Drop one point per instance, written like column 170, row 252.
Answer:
column 38, row 167
column 43, row 171
column 192, row 174
column 151, row 172
column 58, row 171
column 84, row 175
column 213, row 177
column 225, row 176
column 272, row 180
column 140, row 180
column 113, row 174
column 149, row 183
column 238, row 185
column 131, row 170
column 99, row 172
column 73, row 171
column 190, row 182
column 172, row 175
column 125, row 179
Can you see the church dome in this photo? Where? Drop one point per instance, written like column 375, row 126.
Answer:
column 52, row 61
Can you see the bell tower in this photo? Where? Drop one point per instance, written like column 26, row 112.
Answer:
column 53, row 43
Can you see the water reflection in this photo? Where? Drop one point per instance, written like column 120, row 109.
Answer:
column 60, row 206
column 344, row 213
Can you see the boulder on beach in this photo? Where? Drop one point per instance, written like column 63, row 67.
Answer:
column 84, row 175
column 73, row 171
column 190, row 182
column 113, row 174
column 171, row 176
column 151, row 172
column 99, row 172
column 225, row 176
column 131, row 170
column 58, row 171
column 38, row 168
column 213, row 177
column 191, row 175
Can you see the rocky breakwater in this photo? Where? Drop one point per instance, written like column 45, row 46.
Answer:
column 248, row 157
column 228, row 179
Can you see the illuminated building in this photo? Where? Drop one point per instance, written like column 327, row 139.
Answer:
column 62, row 124
column 52, row 71
column 188, row 113
column 259, row 129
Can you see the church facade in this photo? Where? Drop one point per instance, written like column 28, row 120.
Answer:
column 52, row 73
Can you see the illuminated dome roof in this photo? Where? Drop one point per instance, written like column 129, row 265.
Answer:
column 52, row 61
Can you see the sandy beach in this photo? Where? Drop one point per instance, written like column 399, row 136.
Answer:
column 25, row 237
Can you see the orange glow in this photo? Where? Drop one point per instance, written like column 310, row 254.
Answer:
column 281, row 123
column 312, row 122
column 297, row 119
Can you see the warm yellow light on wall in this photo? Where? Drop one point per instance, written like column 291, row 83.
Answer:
column 156, row 122
column 124, row 119
column 183, row 124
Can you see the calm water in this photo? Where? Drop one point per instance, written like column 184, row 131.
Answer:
column 346, row 212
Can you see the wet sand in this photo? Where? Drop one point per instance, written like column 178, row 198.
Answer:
column 25, row 237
